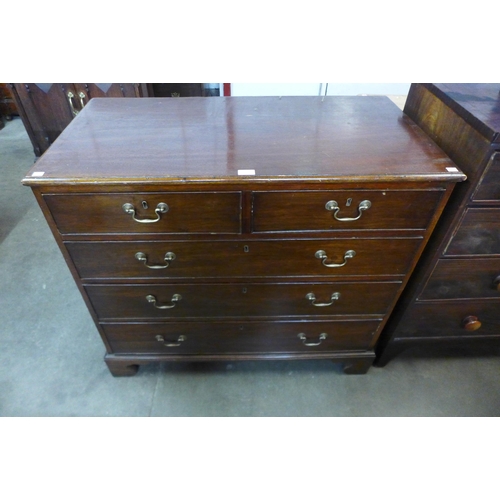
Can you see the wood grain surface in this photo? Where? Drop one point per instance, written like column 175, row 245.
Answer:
column 214, row 138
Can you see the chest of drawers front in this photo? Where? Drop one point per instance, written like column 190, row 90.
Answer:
column 199, row 282
column 242, row 268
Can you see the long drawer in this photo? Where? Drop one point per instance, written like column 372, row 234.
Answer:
column 208, row 259
column 240, row 337
column 336, row 210
column 449, row 319
column 463, row 278
column 478, row 233
column 251, row 300
column 146, row 213
column 489, row 187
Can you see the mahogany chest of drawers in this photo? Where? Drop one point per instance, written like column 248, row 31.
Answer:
column 241, row 228
column 452, row 302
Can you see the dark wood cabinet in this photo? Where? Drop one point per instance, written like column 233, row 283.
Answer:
column 47, row 108
column 452, row 302
column 242, row 228
column 8, row 107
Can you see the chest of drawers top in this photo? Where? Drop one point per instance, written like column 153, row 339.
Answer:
column 241, row 140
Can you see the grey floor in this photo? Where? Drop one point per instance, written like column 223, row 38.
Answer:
column 51, row 357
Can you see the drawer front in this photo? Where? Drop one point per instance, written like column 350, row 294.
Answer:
column 239, row 337
column 489, row 187
column 171, row 213
column 463, row 278
column 250, row 300
column 446, row 319
column 320, row 210
column 478, row 233
column 213, row 259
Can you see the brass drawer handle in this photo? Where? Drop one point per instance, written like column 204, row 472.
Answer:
column 71, row 105
column 82, row 96
column 175, row 298
column 333, row 206
column 177, row 343
column 312, row 298
column 142, row 257
column 162, row 208
column 321, row 254
column 302, row 336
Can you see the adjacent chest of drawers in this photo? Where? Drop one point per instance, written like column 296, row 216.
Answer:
column 205, row 229
column 452, row 303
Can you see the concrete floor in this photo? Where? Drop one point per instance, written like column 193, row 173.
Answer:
column 51, row 356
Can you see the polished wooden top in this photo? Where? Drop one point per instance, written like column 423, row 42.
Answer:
column 213, row 139
column 477, row 103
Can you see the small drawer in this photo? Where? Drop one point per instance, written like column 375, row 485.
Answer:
column 242, row 300
column 488, row 189
column 218, row 259
column 337, row 210
column 478, row 233
column 463, row 278
column 457, row 318
column 146, row 213
column 239, row 337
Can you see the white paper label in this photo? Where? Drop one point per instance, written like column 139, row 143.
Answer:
column 37, row 174
column 246, row 172
column 452, row 169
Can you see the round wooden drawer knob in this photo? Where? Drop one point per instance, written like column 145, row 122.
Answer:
column 496, row 283
column 471, row 323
